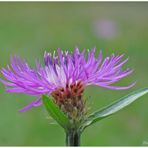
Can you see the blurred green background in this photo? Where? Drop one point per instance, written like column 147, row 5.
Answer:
column 28, row 29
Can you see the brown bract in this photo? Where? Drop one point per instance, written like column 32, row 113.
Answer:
column 70, row 100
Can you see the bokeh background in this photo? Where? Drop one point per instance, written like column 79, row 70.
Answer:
column 28, row 29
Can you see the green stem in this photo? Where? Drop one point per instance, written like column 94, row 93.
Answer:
column 73, row 138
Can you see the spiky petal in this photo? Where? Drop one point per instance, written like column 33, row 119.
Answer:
column 64, row 68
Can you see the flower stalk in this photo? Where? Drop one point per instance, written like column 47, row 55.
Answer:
column 73, row 138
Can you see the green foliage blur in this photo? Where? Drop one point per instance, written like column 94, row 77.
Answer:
column 28, row 29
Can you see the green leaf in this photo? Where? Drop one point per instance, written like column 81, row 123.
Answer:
column 55, row 112
column 113, row 108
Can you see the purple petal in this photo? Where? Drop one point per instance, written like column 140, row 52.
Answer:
column 35, row 103
column 62, row 68
column 118, row 87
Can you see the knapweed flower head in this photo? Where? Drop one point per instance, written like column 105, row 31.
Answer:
column 64, row 76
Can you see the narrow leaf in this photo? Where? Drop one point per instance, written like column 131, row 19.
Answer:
column 113, row 108
column 55, row 112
